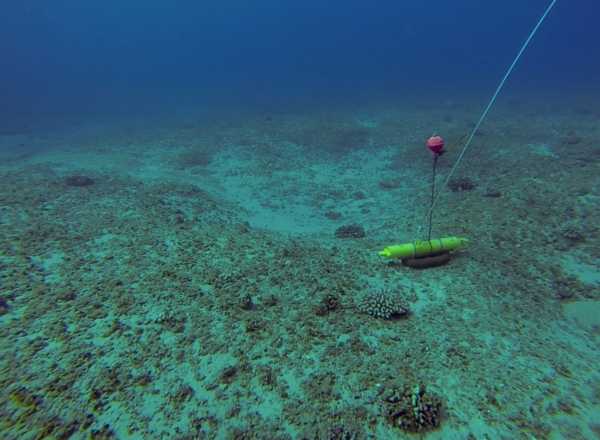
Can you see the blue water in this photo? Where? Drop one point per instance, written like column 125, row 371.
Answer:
column 69, row 56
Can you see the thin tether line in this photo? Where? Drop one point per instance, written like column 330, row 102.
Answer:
column 490, row 104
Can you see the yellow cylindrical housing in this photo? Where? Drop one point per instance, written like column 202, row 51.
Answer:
column 423, row 248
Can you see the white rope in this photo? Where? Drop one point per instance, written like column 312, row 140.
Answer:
column 489, row 106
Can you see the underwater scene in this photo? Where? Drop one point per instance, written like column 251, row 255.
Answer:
column 224, row 219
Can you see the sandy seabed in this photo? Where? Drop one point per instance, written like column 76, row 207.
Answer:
column 182, row 278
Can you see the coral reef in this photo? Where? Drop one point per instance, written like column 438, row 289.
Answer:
column 461, row 184
column 382, row 304
column 328, row 304
column 79, row 180
column 413, row 409
column 3, row 306
column 195, row 157
column 333, row 215
column 390, row 183
column 350, row 231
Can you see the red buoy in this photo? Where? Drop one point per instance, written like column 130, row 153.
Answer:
column 435, row 144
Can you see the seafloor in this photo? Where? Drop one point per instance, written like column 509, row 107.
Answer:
column 180, row 276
